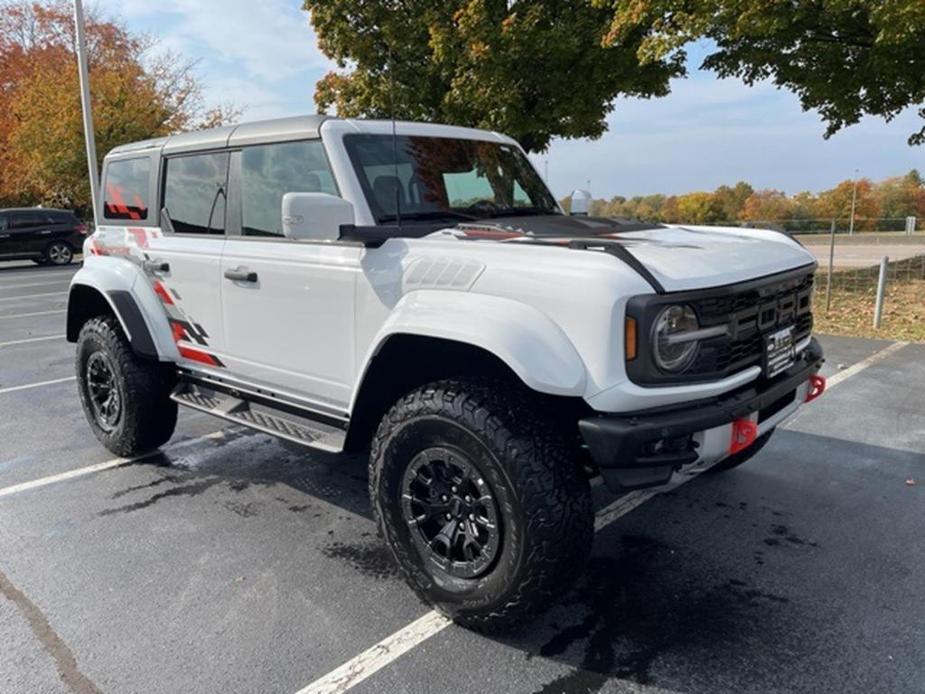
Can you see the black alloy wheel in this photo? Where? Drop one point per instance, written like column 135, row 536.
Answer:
column 452, row 512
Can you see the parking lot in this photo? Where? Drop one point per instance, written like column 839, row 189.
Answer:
column 234, row 562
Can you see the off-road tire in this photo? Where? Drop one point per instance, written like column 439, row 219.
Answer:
column 544, row 501
column 737, row 459
column 148, row 415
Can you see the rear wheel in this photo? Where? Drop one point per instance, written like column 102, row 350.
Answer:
column 59, row 253
column 737, row 459
column 126, row 399
column 481, row 501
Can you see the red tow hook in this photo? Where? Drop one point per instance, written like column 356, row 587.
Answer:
column 816, row 387
column 744, row 433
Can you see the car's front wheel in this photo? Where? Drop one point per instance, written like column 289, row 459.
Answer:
column 59, row 253
column 482, row 502
column 126, row 399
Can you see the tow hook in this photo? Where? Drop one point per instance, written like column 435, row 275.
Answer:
column 816, row 387
column 744, row 433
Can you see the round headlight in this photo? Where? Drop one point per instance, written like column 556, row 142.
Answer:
column 671, row 353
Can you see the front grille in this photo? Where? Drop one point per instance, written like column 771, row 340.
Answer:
column 750, row 310
column 751, row 314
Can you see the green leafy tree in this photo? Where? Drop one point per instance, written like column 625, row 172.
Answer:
column 843, row 58
column 534, row 70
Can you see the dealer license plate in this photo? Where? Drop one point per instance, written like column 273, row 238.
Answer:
column 779, row 352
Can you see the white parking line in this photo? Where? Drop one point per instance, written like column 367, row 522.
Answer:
column 32, row 284
column 99, row 467
column 32, row 296
column 32, row 339
column 855, row 369
column 28, row 386
column 36, row 313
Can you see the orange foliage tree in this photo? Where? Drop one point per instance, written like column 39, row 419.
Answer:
column 137, row 93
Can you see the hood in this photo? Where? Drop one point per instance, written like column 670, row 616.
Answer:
column 678, row 257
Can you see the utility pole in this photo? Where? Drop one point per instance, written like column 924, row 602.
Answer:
column 854, row 200
column 87, row 109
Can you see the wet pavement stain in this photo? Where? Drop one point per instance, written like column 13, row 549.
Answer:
column 371, row 559
column 638, row 606
column 51, row 642
column 167, row 479
column 195, row 488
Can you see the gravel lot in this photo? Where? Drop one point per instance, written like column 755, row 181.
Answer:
column 234, row 562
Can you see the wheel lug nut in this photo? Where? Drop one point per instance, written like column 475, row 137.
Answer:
column 468, row 499
column 472, row 516
column 449, row 516
column 444, row 497
column 454, row 489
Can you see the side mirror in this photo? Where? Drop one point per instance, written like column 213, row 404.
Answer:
column 317, row 216
column 580, row 202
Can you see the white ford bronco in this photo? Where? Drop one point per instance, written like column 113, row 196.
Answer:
column 415, row 290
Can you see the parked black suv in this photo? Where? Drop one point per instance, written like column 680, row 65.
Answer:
column 42, row 235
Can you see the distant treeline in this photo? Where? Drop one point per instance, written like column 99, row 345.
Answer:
column 879, row 205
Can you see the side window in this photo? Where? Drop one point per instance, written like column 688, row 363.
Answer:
column 270, row 171
column 27, row 219
column 194, row 193
column 125, row 194
column 3, row 222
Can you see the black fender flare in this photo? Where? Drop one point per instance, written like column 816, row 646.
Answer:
column 86, row 302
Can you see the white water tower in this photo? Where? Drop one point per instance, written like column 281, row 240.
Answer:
column 581, row 202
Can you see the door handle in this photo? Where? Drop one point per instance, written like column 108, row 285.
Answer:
column 241, row 274
column 45, row 231
column 156, row 266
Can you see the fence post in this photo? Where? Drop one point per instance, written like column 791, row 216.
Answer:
column 881, row 287
column 828, row 279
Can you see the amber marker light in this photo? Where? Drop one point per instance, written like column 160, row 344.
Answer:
column 630, row 338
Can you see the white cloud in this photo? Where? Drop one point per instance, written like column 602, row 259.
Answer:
column 267, row 40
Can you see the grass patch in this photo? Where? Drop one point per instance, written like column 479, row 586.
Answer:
column 852, row 311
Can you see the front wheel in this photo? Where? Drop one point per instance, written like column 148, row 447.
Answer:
column 481, row 501
column 126, row 399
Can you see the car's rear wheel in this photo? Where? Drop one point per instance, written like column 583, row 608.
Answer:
column 737, row 459
column 59, row 253
column 481, row 501
column 126, row 399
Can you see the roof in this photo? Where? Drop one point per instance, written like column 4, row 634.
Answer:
column 35, row 209
column 276, row 130
column 290, row 129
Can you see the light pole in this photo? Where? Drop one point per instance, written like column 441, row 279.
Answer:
column 87, row 109
column 854, row 200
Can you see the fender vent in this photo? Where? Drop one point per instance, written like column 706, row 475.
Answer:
column 442, row 273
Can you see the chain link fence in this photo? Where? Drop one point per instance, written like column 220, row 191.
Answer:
column 847, row 281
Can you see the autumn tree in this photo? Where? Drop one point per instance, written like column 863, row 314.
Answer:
column 534, row 70
column 135, row 95
column 842, row 58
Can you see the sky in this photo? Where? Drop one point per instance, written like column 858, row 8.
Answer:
column 264, row 57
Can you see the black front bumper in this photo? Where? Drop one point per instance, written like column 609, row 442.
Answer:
column 643, row 449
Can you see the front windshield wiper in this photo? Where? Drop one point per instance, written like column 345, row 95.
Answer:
column 426, row 216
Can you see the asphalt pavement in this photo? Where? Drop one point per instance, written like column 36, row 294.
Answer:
column 233, row 562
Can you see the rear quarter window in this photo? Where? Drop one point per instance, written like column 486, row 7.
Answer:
column 127, row 189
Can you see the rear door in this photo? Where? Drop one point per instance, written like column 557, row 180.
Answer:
column 289, row 323
column 180, row 259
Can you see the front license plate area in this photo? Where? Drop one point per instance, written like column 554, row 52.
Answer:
column 779, row 352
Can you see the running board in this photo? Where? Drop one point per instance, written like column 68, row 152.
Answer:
column 262, row 417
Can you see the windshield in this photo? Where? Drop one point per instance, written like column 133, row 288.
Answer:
column 431, row 178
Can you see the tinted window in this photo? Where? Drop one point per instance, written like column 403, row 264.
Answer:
column 194, row 193
column 63, row 217
column 2, row 222
column 270, row 171
column 21, row 220
column 125, row 195
column 426, row 177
